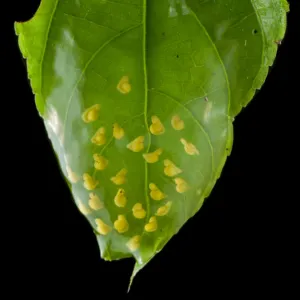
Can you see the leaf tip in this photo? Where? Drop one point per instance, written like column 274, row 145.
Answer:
column 137, row 267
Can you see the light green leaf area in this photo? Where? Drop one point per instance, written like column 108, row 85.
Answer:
column 138, row 99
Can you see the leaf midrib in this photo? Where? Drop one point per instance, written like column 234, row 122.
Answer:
column 146, row 104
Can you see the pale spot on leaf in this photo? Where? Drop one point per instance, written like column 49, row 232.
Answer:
column 207, row 112
column 72, row 176
column 54, row 123
column 82, row 208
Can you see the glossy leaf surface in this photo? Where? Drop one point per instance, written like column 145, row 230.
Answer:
column 138, row 99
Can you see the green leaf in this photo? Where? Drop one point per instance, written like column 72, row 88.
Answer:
column 138, row 99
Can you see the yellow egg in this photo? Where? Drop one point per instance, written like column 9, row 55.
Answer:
column 134, row 243
column 94, row 202
column 153, row 156
column 171, row 169
column 151, row 226
column 121, row 224
column 102, row 228
column 137, row 144
column 177, row 123
column 156, row 128
column 118, row 132
column 138, row 211
column 89, row 182
column 120, row 198
column 181, row 185
column 189, row 148
column 120, row 177
column 124, row 86
column 100, row 162
column 99, row 137
column 155, row 192
column 163, row 210
column 91, row 114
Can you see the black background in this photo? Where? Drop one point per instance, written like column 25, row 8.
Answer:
column 238, row 244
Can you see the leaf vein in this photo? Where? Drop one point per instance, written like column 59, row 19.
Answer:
column 87, row 65
column 193, row 118
column 89, row 21
column 217, row 53
column 123, row 3
column 46, row 42
column 112, row 137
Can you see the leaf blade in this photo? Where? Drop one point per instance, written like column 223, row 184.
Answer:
column 163, row 75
